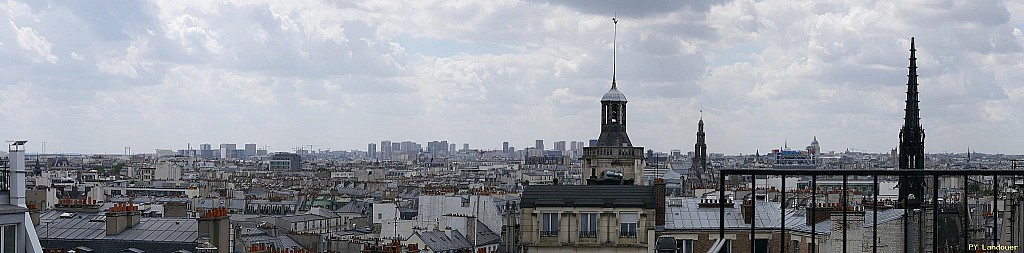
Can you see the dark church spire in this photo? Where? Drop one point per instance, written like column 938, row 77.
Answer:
column 700, row 149
column 912, row 137
column 698, row 176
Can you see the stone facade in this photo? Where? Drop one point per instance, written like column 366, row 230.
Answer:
column 568, row 239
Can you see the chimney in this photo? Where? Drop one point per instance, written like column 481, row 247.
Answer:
column 822, row 213
column 659, row 202
column 747, row 211
column 132, row 214
column 16, row 174
column 214, row 225
column 117, row 220
column 471, row 230
column 33, row 211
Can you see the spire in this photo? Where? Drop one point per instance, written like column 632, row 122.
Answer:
column 701, row 122
column 615, row 34
column 912, row 138
column 913, row 112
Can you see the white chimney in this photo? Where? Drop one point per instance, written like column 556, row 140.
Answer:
column 16, row 173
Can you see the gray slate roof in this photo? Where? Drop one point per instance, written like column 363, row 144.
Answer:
column 686, row 214
column 437, row 241
column 588, row 196
column 884, row 216
column 148, row 229
column 613, row 94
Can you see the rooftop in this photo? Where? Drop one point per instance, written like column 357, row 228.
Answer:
column 588, row 196
column 613, row 94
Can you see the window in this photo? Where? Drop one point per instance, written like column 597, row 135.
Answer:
column 627, row 224
column 761, row 245
column 588, row 225
column 549, row 224
column 727, row 248
column 10, row 238
column 5, row 183
column 795, row 245
column 684, row 246
column 810, row 247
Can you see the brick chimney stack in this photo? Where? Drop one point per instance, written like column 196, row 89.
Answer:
column 747, row 211
column 659, row 202
column 214, row 225
column 120, row 217
column 822, row 213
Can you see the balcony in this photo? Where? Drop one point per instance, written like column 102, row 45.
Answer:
column 588, row 234
column 615, row 152
column 627, row 234
column 938, row 221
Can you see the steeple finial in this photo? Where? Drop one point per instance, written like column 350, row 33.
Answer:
column 615, row 35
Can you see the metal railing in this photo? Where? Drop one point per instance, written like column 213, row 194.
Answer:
column 588, row 234
column 814, row 174
column 627, row 234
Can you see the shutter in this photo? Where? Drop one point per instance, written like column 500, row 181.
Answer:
column 629, row 217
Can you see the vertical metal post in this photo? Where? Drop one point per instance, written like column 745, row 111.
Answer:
column 966, row 215
column 874, row 208
column 753, row 211
column 935, row 213
column 995, row 210
column 906, row 224
column 845, row 198
column 814, row 213
column 782, row 240
column 721, row 205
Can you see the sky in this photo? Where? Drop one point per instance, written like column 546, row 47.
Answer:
column 95, row 77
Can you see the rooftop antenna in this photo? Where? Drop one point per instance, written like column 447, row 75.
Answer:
column 615, row 34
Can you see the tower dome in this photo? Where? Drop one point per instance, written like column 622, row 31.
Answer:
column 613, row 94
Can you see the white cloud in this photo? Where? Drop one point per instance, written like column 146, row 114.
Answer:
column 486, row 72
column 127, row 64
column 35, row 44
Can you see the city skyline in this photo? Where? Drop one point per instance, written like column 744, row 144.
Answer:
column 156, row 75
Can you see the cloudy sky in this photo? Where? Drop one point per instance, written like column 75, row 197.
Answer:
column 88, row 76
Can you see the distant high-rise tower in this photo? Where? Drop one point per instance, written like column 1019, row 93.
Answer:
column 539, row 145
column 504, row 147
column 560, row 146
column 912, row 139
column 250, row 149
column 371, row 150
column 385, row 149
column 227, row 150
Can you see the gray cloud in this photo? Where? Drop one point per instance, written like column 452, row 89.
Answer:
column 94, row 77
